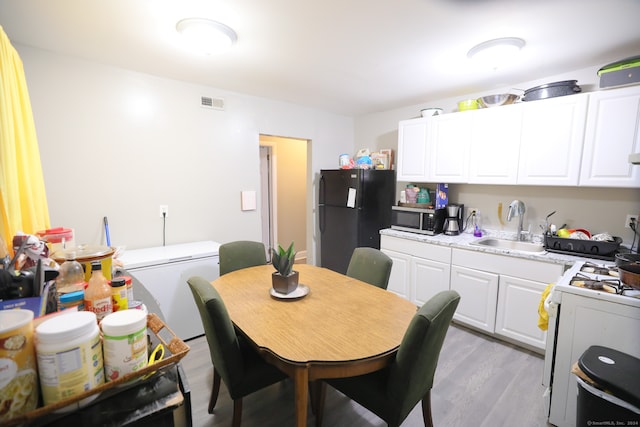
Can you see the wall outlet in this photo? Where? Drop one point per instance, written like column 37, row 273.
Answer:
column 471, row 211
column 629, row 219
column 164, row 211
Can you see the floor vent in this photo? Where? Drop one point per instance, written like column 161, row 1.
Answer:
column 213, row 103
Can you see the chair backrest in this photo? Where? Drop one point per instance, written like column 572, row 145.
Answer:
column 224, row 346
column 370, row 265
column 411, row 373
column 241, row 254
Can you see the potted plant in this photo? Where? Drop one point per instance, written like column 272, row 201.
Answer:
column 284, row 279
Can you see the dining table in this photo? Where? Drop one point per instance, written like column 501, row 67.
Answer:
column 331, row 326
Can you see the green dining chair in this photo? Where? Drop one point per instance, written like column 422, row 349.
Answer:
column 241, row 254
column 370, row 265
column 393, row 392
column 237, row 364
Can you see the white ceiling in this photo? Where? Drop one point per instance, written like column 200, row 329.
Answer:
column 346, row 56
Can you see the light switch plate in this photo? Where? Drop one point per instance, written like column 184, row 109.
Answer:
column 248, row 200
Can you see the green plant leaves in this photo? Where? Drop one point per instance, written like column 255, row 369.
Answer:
column 283, row 260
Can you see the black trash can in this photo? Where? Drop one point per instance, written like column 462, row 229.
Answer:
column 609, row 394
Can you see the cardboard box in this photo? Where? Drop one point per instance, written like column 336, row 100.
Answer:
column 380, row 160
column 442, row 195
column 36, row 304
column 389, row 153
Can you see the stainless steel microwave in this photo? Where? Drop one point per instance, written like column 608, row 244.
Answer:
column 417, row 220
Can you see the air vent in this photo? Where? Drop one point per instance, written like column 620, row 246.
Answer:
column 213, row 103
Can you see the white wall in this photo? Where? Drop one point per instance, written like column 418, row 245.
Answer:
column 118, row 143
column 596, row 209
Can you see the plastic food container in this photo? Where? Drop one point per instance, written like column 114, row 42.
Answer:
column 58, row 238
column 69, row 355
column 18, row 375
column 124, row 342
column 72, row 299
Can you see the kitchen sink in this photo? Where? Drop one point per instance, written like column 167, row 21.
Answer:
column 493, row 242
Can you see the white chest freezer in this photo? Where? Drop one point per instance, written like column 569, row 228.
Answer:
column 164, row 271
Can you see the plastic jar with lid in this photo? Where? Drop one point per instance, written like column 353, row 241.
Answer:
column 124, row 343
column 69, row 354
column 72, row 299
column 129, row 281
column 119, row 294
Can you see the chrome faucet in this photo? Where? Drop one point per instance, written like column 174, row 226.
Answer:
column 516, row 208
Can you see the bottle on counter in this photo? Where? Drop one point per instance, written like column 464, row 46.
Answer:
column 70, row 278
column 119, row 294
column 129, row 281
column 98, row 295
column 71, row 275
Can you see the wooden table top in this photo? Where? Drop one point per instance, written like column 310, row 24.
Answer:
column 341, row 319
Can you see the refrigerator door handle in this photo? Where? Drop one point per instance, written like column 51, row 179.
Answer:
column 321, row 199
column 321, row 220
column 321, row 190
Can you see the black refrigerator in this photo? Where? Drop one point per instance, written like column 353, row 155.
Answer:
column 354, row 205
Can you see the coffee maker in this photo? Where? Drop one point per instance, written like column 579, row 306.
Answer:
column 453, row 223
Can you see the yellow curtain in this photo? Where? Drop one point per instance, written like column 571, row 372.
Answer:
column 23, row 200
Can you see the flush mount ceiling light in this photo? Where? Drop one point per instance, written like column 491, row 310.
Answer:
column 206, row 35
column 496, row 52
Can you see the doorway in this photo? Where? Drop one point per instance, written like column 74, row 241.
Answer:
column 283, row 188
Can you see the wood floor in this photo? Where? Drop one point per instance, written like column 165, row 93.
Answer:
column 479, row 382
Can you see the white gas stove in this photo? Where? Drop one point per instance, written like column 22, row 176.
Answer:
column 587, row 306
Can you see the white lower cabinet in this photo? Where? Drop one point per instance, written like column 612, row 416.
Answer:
column 478, row 295
column 428, row 277
column 499, row 294
column 400, row 273
column 516, row 312
column 419, row 271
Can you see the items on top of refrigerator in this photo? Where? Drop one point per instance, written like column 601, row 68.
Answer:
column 365, row 159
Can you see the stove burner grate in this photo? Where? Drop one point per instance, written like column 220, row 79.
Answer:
column 602, row 270
column 612, row 286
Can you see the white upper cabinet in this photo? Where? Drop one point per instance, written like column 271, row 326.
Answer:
column 412, row 150
column 449, row 147
column 551, row 140
column 612, row 133
column 495, row 145
column 576, row 140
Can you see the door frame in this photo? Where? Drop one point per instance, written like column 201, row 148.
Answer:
column 269, row 195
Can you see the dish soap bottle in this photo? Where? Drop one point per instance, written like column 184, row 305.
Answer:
column 97, row 296
column 477, row 230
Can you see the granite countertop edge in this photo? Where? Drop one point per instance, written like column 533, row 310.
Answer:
column 465, row 240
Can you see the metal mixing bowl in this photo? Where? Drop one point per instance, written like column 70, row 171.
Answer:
column 497, row 100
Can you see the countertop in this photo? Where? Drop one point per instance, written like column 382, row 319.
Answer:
column 464, row 240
